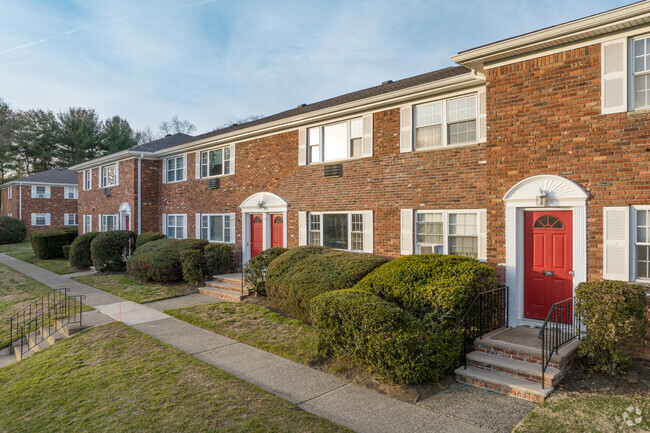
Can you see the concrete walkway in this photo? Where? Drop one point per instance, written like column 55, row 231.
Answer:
column 314, row 391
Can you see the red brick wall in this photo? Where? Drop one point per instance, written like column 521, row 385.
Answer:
column 9, row 206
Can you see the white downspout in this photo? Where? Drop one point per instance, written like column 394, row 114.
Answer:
column 139, row 193
column 20, row 201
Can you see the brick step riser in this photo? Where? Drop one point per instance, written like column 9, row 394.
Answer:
column 225, row 296
column 530, row 377
column 503, row 389
column 228, row 281
column 237, row 290
column 519, row 356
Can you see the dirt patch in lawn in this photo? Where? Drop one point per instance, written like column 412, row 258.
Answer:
column 635, row 381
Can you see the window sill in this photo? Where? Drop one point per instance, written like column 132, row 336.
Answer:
column 109, row 186
column 175, row 181
column 337, row 161
column 638, row 112
column 217, row 176
column 452, row 147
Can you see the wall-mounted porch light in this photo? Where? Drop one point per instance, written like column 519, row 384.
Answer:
column 541, row 198
column 260, row 204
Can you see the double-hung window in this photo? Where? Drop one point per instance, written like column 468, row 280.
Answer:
column 40, row 191
column 70, row 219
column 445, row 123
column 335, row 142
column 343, row 231
column 109, row 223
column 109, row 175
column 40, row 219
column 71, row 192
column 175, row 169
column 88, row 223
column 642, row 244
column 448, row 232
column 641, row 72
column 88, row 180
column 216, row 227
column 215, row 162
column 176, row 226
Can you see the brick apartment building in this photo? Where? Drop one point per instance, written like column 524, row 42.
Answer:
column 531, row 155
column 42, row 200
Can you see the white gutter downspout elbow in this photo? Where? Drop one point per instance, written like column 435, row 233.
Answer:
column 140, row 193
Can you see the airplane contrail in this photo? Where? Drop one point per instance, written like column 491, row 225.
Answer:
column 40, row 41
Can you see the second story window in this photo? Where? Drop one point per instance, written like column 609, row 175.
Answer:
column 109, row 175
column 336, row 142
column 175, row 169
column 88, row 180
column 445, row 123
column 40, row 191
column 216, row 162
column 642, row 73
column 71, row 192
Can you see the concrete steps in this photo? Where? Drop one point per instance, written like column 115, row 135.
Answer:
column 515, row 368
column 37, row 343
column 227, row 287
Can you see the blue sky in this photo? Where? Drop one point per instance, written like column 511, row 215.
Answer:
column 214, row 61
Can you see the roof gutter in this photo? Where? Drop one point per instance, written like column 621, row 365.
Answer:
column 113, row 157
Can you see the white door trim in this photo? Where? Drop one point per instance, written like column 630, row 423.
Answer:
column 265, row 204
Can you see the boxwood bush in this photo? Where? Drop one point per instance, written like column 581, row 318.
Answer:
column 48, row 243
column 614, row 314
column 107, row 250
column 148, row 237
column 381, row 335
column 423, row 283
column 160, row 260
column 219, row 258
column 302, row 273
column 193, row 265
column 12, row 230
column 80, row 256
column 255, row 270
column 66, row 251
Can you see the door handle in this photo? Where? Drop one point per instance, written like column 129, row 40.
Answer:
column 571, row 273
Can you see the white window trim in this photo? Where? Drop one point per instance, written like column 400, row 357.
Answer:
column 35, row 216
column 88, row 227
column 103, row 219
column 166, row 170
column 184, row 224
column 88, row 180
column 321, row 147
column 366, row 224
column 632, row 75
column 230, row 217
column 67, row 189
column 231, row 167
column 67, row 215
column 444, row 125
column 101, row 175
column 632, row 238
column 481, row 251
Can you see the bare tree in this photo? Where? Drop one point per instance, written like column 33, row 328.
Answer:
column 176, row 125
column 146, row 135
column 249, row 118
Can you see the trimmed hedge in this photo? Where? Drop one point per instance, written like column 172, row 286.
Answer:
column 66, row 251
column 12, row 230
column 107, row 250
column 48, row 243
column 614, row 314
column 80, row 256
column 303, row 273
column 219, row 258
column 193, row 265
column 255, row 269
column 148, row 237
column 160, row 260
column 379, row 334
column 423, row 283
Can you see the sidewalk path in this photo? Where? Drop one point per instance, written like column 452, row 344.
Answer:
column 314, row 391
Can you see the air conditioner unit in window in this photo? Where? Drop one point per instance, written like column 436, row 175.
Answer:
column 213, row 183
column 107, row 192
column 40, row 195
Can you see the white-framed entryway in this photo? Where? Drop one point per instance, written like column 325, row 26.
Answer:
column 560, row 194
column 264, row 204
column 126, row 221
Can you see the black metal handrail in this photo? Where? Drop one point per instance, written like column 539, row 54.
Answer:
column 562, row 325
column 17, row 320
column 67, row 311
column 487, row 312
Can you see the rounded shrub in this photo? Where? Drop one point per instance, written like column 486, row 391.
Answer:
column 255, row 270
column 615, row 314
column 12, row 230
column 303, row 273
column 66, row 251
column 193, row 265
column 108, row 250
column 424, row 283
column 148, row 237
column 48, row 243
column 160, row 260
column 219, row 258
column 80, row 256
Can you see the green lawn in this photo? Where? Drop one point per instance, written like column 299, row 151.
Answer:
column 24, row 252
column 115, row 379
column 133, row 290
column 586, row 413
column 255, row 325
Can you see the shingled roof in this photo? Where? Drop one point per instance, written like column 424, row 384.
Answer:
column 163, row 143
column 55, row 175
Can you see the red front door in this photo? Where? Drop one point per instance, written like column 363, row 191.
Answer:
column 257, row 233
column 277, row 234
column 127, row 222
column 548, row 260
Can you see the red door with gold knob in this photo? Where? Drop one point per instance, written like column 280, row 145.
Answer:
column 257, row 235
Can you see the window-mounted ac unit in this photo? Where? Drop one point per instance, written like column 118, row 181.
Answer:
column 213, row 183
column 107, row 192
column 40, row 195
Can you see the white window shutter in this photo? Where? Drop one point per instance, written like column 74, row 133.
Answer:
column 233, row 225
column 33, row 219
column 302, row 146
column 185, row 166
column 164, row 223
column 368, row 232
column 406, row 232
column 302, row 228
column 406, row 129
column 117, row 173
column 33, row 191
column 47, row 219
column 164, row 171
column 482, row 117
column 99, row 223
column 99, row 177
column 367, row 135
column 616, row 243
column 613, row 84
column 482, row 234
column 47, row 192
column 197, row 226
column 197, row 165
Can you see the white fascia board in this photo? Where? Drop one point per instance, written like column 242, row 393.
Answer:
column 606, row 22
column 123, row 155
column 398, row 97
column 28, row 183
